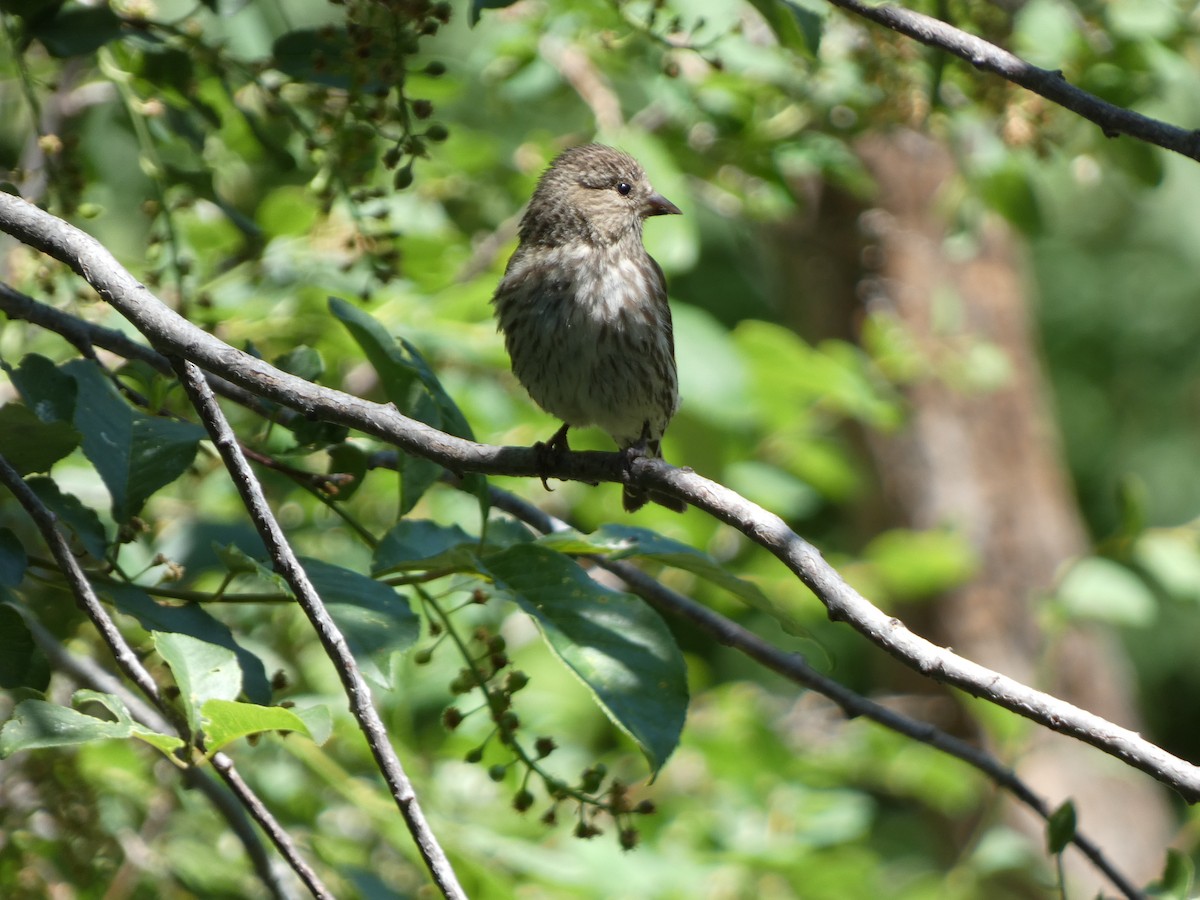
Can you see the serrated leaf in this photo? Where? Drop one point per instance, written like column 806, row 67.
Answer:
column 627, row 541
column 134, row 454
column 202, row 670
column 617, row 646
column 227, row 720
column 421, row 544
column 31, row 445
column 376, row 621
column 1060, row 828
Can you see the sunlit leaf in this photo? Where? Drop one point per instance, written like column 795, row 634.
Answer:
column 614, row 643
column 375, row 619
column 225, row 721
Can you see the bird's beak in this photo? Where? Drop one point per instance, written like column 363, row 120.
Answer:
column 658, row 205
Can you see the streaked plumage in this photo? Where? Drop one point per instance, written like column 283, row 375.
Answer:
column 583, row 306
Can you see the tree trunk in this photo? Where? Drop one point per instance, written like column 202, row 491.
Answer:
column 980, row 454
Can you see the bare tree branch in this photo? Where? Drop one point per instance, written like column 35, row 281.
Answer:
column 795, row 668
column 84, row 670
column 1113, row 120
column 128, row 662
column 724, row 631
column 330, row 636
column 176, row 336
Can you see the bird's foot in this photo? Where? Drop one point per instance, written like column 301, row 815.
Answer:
column 547, row 453
column 635, row 498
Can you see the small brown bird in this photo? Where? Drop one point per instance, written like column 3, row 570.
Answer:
column 583, row 306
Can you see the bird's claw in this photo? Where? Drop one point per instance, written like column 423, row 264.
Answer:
column 547, row 453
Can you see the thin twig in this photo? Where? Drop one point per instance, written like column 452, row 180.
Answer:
column 987, row 57
column 330, row 636
column 128, row 662
column 84, row 670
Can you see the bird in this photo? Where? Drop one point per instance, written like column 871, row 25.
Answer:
column 583, row 307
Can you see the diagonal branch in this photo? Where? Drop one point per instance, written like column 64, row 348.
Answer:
column 84, row 670
column 129, row 663
column 795, row 668
column 327, row 631
column 987, row 57
column 176, row 336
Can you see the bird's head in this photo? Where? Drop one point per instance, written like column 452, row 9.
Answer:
column 593, row 193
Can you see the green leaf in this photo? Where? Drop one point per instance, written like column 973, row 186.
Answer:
column 1176, row 880
column 239, row 562
column 227, row 720
column 303, row 362
column 619, row 647
column 1105, row 591
column 348, row 459
column 77, row 30
column 417, row 475
column 916, row 564
column 318, row 720
column 22, row 662
column 1171, row 557
column 376, row 621
column 194, row 621
column 421, row 544
column 796, row 27
column 415, row 390
column 626, row 541
column 71, row 512
column 36, row 724
column 1060, row 828
column 30, row 444
column 202, row 670
column 135, row 454
column 1009, row 191
column 45, row 388
column 288, row 211
column 13, row 559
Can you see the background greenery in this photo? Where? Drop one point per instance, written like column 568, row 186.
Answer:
column 388, row 168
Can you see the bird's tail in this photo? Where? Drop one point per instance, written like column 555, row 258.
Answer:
column 634, row 498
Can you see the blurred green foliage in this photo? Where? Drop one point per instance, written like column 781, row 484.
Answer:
column 249, row 161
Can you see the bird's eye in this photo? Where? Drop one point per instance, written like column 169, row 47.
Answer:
column 623, row 188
